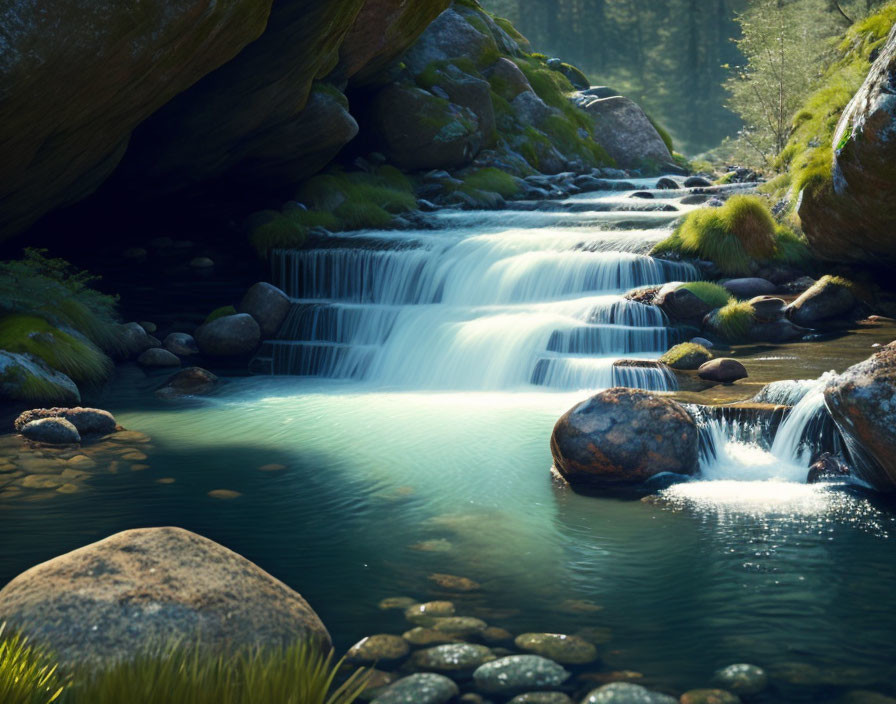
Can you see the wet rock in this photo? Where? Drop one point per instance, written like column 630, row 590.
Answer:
column 695, row 199
column 192, row 381
column 723, row 371
column 495, row 635
column 567, row 650
column 768, row 308
column 780, row 330
column 376, row 682
column 829, row 298
column 181, row 344
column 424, row 688
column 542, row 698
column 742, row 679
column 827, row 468
column 644, row 195
column 230, row 336
column 223, row 494
column 681, row 304
column 862, row 404
column 56, row 431
column 686, row 356
column 158, row 357
column 517, row 674
column 709, row 696
column 627, row 693
column 624, row 437
column 622, row 128
column 135, row 340
column 749, row 287
column 389, row 603
column 168, row 584
column 459, row 625
column 667, row 184
column 88, row 421
column 428, row 613
column 378, row 648
column 531, row 109
column 421, row 637
column 697, row 182
column 20, row 374
column 268, row 305
column 508, row 79
column 454, row 583
column 451, row 657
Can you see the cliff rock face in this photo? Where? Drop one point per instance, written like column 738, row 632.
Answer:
column 852, row 217
column 75, row 81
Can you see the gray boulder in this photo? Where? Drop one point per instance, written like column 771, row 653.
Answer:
column 231, row 336
column 268, row 305
column 697, row 182
column 88, row 421
column 157, row 585
column 681, row 304
column 182, row 344
column 158, row 357
column 612, row 439
column 519, row 673
column 750, row 287
column 424, row 688
column 24, row 375
column 829, row 298
column 55, row 431
column 507, row 78
column 622, row 128
column 449, row 36
column 135, row 340
column 192, row 381
column 530, row 109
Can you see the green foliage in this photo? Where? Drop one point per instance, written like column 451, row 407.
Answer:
column 27, row 675
column 687, row 355
column 293, row 675
column 711, row 294
column 218, row 313
column 793, row 248
column 68, row 352
column 289, row 230
column 60, row 294
column 734, row 320
column 491, row 179
column 663, row 133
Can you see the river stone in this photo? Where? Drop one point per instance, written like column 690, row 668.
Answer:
column 627, row 693
column 749, row 287
column 19, row 372
column 181, row 344
column 495, row 635
column 389, row 603
column 88, row 421
column 459, row 625
column 742, row 679
column 624, row 437
column 375, row 682
column 767, row 308
column 158, row 357
column 862, row 401
column 686, row 357
column 508, row 80
column 454, row 583
column 667, row 184
column 568, row 650
column 709, row 696
column 268, row 305
column 679, row 303
column 421, row 636
column 378, row 648
column 153, row 585
column 134, row 340
column 426, row 614
column 519, row 673
column 192, row 381
column 697, row 182
column 827, row 299
column 542, row 698
column 724, row 371
column 423, row 688
column 56, row 431
column 230, row 336
column 451, row 657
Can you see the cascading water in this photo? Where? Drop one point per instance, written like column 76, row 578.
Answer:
column 486, row 301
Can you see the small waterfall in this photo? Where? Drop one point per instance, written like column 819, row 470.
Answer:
column 808, row 428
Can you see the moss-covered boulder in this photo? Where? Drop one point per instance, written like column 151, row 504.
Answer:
column 848, row 206
column 686, row 356
column 831, row 297
column 624, row 130
column 66, row 118
column 25, row 378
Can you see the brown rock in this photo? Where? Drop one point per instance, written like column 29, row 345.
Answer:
column 724, row 371
column 88, row 421
column 188, row 382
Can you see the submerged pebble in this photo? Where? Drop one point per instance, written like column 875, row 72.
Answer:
column 381, row 647
column 569, row 650
column 453, row 657
column 423, row 688
column 742, row 679
column 518, row 674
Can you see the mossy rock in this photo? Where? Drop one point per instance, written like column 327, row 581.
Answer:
column 25, row 378
column 686, row 356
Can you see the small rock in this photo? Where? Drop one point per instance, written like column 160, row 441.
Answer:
column 626, row 693
column 392, row 602
column 158, row 357
column 422, row 637
column 749, row 287
column 697, row 182
column 454, row 583
column 181, row 344
column 81, row 462
column 567, row 650
column 703, row 342
column 829, row 298
column 768, row 308
column 192, row 381
column 452, row 657
column 542, row 698
column 375, row 682
column 268, row 305
column 724, row 371
column 150, row 328
column 225, row 494
column 56, row 431
column 41, row 481
column 709, row 696
column 378, row 648
column 644, row 195
column 493, row 634
column 667, row 184
column 742, row 679
column 459, row 625
column 427, row 614
column 516, row 674
column 423, row 688
column 229, row 336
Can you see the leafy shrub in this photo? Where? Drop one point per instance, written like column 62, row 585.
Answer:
column 711, row 294
column 26, row 673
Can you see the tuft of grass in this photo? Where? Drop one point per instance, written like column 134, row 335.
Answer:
column 289, row 230
column 687, row 355
column 221, row 312
column 491, row 179
column 711, row 294
column 27, row 675
column 68, row 352
column 734, row 320
column 792, row 248
column 297, row 674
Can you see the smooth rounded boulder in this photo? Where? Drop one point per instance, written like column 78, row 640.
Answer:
column 623, row 437
column 158, row 357
column 679, row 303
column 54, row 431
column 230, row 336
column 181, row 344
column 862, row 402
column 191, row 381
column 140, row 588
column 723, row 371
column 268, row 305
column 829, row 298
column 88, row 421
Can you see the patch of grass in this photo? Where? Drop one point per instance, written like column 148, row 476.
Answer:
column 664, row 134
column 219, row 313
column 687, row 355
column 711, row 294
column 734, row 320
column 793, row 248
column 68, row 352
column 491, row 179
column 27, row 675
column 289, row 230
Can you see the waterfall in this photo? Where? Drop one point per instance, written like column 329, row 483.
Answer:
column 487, row 300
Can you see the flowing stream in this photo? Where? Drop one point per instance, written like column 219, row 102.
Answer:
column 406, row 407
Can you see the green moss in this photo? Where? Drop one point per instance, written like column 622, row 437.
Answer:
column 687, row 355
column 67, row 352
column 711, row 294
column 221, row 312
column 493, row 180
column 792, row 248
column 512, row 31
column 734, row 321
column 289, row 230
column 27, row 675
column 664, row 134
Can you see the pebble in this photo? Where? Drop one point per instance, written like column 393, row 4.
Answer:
column 452, row 657
column 517, row 674
column 709, row 696
column 378, row 648
column 460, row 625
column 68, row 489
column 493, row 634
column 135, row 456
column 426, row 614
column 41, row 481
column 742, row 679
column 569, row 650
column 454, row 583
column 626, row 693
column 421, row 636
column 423, row 688
column 397, row 602
column 225, row 494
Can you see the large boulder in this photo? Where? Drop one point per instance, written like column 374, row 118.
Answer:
column 229, row 336
column 679, row 303
column 624, row 130
column 26, row 378
column 862, row 401
column 268, row 305
column 66, row 118
column 507, row 79
column 449, row 36
column 829, row 298
column 622, row 437
column 148, row 586
column 851, row 217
